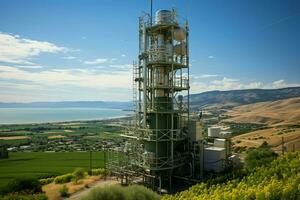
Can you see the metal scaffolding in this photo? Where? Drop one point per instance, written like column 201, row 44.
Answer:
column 157, row 143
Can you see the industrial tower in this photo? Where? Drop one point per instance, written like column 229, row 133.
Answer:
column 157, row 144
column 164, row 141
column 162, row 76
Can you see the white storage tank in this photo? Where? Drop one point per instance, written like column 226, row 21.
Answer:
column 179, row 34
column 223, row 143
column 220, row 142
column 225, row 134
column 213, row 131
column 214, row 158
column 164, row 17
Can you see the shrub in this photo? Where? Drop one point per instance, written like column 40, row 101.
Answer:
column 259, row 157
column 138, row 192
column 106, row 193
column 64, row 191
column 78, row 174
column 46, row 181
column 24, row 197
column 117, row 192
column 99, row 171
column 64, row 178
column 29, row 185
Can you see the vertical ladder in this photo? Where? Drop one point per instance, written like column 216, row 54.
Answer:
column 135, row 78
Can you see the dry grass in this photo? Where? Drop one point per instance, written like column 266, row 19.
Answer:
column 56, row 136
column 52, row 189
column 14, row 137
column 273, row 136
column 275, row 113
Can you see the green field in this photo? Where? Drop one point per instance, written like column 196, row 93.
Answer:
column 38, row 164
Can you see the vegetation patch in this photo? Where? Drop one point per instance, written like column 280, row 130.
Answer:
column 279, row 179
column 117, row 192
column 64, row 191
column 24, row 197
column 26, row 185
column 45, row 165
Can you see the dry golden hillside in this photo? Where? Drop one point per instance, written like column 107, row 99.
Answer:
column 274, row 113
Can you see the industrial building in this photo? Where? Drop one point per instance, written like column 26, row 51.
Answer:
column 165, row 141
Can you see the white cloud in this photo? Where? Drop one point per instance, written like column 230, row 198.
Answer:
column 21, row 84
column 208, row 75
column 211, row 57
column 96, row 61
column 198, row 85
column 74, row 77
column 68, row 57
column 282, row 84
column 14, row 49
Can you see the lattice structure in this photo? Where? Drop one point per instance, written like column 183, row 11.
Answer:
column 157, row 144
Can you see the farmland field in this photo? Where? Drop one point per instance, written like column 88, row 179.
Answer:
column 39, row 164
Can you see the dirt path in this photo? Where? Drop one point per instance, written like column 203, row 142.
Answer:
column 82, row 193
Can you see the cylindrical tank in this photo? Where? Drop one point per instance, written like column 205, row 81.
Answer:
column 179, row 34
column 180, row 49
column 164, row 17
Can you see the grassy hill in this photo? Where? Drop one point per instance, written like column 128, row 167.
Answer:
column 274, row 113
column 280, row 118
column 234, row 98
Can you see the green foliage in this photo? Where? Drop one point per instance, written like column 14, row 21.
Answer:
column 45, row 164
column 28, row 185
column 138, row 192
column 99, row 171
column 279, row 180
column 117, row 192
column 240, row 128
column 259, row 157
column 45, row 181
column 64, row 191
column 78, row 174
column 24, row 197
column 66, row 178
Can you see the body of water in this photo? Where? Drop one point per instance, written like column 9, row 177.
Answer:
column 41, row 115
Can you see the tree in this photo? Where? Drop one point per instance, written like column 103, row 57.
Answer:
column 78, row 174
column 259, row 157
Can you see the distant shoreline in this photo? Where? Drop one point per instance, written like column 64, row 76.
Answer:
column 27, row 116
column 73, row 121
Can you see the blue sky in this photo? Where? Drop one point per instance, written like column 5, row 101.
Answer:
column 54, row 50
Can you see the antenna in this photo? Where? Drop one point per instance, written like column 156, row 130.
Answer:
column 151, row 12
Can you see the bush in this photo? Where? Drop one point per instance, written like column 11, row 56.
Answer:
column 100, row 171
column 78, row 174
column 117, row 192
column 259, row 157
column 46, row 181
column 138, row 192
column 64, row 191
column 106, row 193
column 28, row 185
column 66, row 178
column 24, row 197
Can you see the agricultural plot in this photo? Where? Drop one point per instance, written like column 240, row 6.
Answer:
column 43, row 164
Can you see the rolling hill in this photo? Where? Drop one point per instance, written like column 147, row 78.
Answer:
column 272, row 113
column 232, row 98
